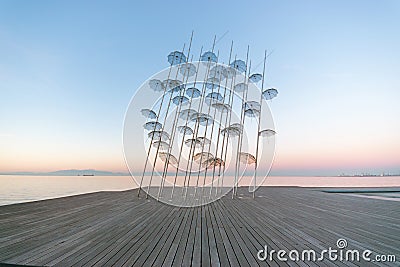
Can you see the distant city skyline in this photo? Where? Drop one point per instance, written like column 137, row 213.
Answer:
column 68, row 72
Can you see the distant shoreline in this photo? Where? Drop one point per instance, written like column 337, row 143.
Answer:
column 128, row 174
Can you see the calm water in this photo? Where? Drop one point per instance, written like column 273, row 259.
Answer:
column 17, row 189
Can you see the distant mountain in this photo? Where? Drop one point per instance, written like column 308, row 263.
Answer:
column 88, row 172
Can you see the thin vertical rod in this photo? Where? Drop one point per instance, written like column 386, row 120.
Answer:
column 219, row 128
column 258, row 128
column 197, row 126
column 205, row 134
column 224, row 147
column 242, row 125
column 241, row 136
column 212, row 131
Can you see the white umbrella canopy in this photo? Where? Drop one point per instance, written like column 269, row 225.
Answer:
column 270, row 93
column 156, row 85
column 173, row 85
column 267, row 133
column 209, row 57
column 213, row 98
column 152, row 126
column 211, row 162
column 238, row 65
column 193, row 141
column 247, row 158
column 187, row 114
column 198, row 142
column 193, row 92
column 176, row 57
column 161, row 145
column 256, row 77
column 240, row 87
column 232, row 131
column 185, row 130
column 148, row 113
column 167, row 157
column 204, row 140
column 252, row 105
column 251, row 112
column 212, row 83
column 179, row 99
column 231, row 72
column 188, row 69
column 221, row 107
column 202, row 118
column 202, row 156
column 218, row 72
column 159, row 135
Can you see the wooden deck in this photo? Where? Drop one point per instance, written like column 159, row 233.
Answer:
column 118, row 229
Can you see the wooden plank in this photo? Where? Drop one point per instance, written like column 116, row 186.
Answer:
column 117, row 228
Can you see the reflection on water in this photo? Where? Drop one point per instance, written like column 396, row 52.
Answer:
column 17, row 189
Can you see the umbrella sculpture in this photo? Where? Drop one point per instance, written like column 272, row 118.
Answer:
column 205, row 132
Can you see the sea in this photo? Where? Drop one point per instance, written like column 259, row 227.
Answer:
column 24, row 188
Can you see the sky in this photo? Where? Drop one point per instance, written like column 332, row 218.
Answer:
column 68, row 70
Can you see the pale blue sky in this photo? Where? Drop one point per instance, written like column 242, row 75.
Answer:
column 69, row 68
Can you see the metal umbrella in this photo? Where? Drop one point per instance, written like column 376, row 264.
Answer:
column 270, row 93
column 176, row 57
column 148, row 113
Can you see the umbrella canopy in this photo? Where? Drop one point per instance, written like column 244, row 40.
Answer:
column 193, row 92
column 198, row 142
column 162, row 145
column 193, row 141
column 252, row 105
column 177, row 100
column 230, row 72
column 201, row 118
column 185, row 130
column 209, row 57
column 202, row 156
column 204, row 140
column 240, row 87
column 221, row 107
column 239, row 65
column 218, row 72
column 176, row 57
column 270, row 93
column 215, row 96
column 167, row 157
column 256, row 77
column 159, row 135
column 148, row 113
column 232, row 131
column 211, row 162
column 267, row 133
column 251, row 112
column 157, row 85
column 237, row 125
column 212, row 83
column 188, row 69
column 247, row 158
column 176, row 89
column 152, row 126
column 187, row 114
column 173, row 85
